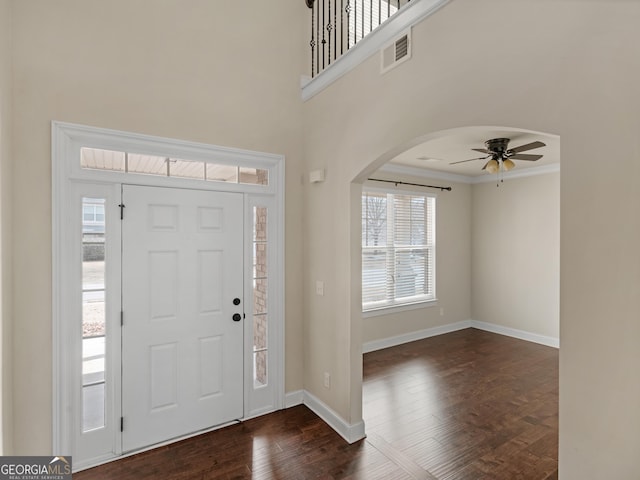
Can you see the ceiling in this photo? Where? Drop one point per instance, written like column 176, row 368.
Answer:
column 436, row 153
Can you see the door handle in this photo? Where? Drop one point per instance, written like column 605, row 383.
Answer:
column 236, row 301
column 237, row 317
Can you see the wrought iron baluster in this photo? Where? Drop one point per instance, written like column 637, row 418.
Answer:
column 388, row 8
column 355, row 22
column 347, row 9
column 341, row 27
column 324, row 41
column 329, row 28
column 335, row 29
column 312, row 43
column 362, row 32
column 379, row 12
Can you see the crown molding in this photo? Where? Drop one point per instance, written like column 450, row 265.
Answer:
column 527, row 172
column 425, row 173
column 456, row 177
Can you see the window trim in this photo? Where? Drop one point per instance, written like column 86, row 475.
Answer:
column 424, row 302
column 78, row 136
column 389, row 310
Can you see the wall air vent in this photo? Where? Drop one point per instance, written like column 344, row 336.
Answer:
column 396, row 52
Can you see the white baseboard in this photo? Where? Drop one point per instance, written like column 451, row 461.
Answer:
column 515, row 333
column 351, row 433
column 291, row 399
column 413, row 336
column 453, row 327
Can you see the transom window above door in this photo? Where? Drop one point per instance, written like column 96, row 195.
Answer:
column 142, row 164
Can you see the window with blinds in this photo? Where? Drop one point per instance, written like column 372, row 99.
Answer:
column 398, row 249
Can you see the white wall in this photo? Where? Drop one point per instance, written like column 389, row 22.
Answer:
column 453, row 266
column 6, row 432
column 515, row 273
column 565, row 67
column 224, row 73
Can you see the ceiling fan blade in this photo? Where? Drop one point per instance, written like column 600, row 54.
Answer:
column 524, row 156
column 470, row 160
column 481, row 150
column 524, row 148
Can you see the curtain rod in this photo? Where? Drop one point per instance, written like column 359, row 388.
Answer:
column 413, row 184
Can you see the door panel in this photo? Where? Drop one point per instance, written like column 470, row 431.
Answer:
column 182, row 352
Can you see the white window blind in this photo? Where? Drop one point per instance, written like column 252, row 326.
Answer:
column 398, row 249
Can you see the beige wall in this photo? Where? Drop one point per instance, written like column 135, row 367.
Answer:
column 565, row 67
column 515, row 273
column 453, row 266
column 498, row 259
column 224, row 73
column 6, row 432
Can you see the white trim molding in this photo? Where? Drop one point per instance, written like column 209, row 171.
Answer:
column 515, row 333
column 521, row 173
column 293, row 399
column 424, row 173
column 409, row 15
column 379, row 312
column 472, row 180
column 413, row 336
column 454, row 327
column 351, row 433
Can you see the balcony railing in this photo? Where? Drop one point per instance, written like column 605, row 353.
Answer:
column 337, row 25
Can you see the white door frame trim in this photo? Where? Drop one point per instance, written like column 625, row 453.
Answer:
column 68, row 178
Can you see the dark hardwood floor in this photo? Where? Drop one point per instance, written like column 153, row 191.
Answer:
column 466, row 405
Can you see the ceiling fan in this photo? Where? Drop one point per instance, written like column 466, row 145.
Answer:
column 501, row 157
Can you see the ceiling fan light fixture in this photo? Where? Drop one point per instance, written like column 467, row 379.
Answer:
column 492, row 166
column 501, row 155
column 508, row 164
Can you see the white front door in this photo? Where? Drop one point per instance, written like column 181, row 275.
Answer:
column 182, row 300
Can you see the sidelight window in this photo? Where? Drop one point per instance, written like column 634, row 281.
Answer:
column 93, row 313
column 260, row 297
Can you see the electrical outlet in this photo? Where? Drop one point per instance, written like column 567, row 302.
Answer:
column 327, row 380
column 319, row 287
column 442, row 311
